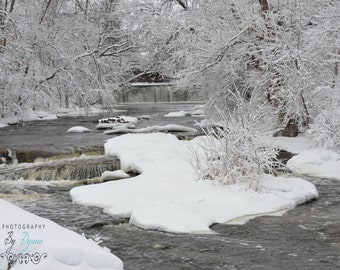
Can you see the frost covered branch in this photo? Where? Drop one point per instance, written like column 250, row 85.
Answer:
column 232, row 151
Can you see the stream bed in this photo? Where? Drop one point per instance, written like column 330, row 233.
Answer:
column 306, row 237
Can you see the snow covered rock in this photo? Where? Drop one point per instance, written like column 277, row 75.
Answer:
column 113, row 175
column 177, row 114
column 152, row 129
column 78, row 129
column 36, row 243
column 117, row 122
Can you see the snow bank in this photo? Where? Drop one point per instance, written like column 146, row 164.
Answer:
column 78, row 129
column 40, row 243
column 198, row 110
column 317, row 163
column 165, row 128
column 113, row 175
column 28, row 116
column 176, row 114
column 312, row 162
column 166, row 195
column 294, row 145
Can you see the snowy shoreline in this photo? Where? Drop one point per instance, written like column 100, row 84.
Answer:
column 32, row 242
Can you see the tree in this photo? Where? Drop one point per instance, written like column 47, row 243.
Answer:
column 265, row 53
column 248, row 47
column 62, row 53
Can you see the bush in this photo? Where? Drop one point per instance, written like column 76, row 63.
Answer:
column 232, row 152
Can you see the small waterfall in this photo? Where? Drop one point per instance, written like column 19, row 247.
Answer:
column 81, row 168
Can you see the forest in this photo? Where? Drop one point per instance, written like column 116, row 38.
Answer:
column 170, row 182
column 278, row 58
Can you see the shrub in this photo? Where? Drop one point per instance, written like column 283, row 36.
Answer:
column 232, row 151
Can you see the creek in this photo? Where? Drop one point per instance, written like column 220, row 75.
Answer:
column 306, row 237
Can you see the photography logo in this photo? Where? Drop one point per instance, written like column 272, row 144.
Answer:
column 18, row 242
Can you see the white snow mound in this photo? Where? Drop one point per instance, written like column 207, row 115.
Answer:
column 78, row 129
column 53, row 246
column 317, row 163
column 167, row 195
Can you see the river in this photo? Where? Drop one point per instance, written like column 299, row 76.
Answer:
column 306, row 237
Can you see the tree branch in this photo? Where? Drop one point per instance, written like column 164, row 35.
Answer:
column 183, row 4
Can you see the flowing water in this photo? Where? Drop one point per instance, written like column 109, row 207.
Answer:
column 307, row 237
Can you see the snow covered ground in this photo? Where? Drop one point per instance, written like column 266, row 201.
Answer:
column 167, row 196
column 294, row 145
column 43, row 115
column 28, row 116
column 166, row 128
column 315, row 162
column 38, row 243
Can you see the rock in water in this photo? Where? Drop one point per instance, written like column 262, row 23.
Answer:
column 78, row 129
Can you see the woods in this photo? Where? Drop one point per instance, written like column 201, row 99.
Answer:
column 65, row 54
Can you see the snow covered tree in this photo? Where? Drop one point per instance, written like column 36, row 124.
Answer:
column 323, row 48
column 263, row 49
column 62, row 53
column 246, row 46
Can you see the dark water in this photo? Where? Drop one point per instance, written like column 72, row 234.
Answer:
column 307, row 237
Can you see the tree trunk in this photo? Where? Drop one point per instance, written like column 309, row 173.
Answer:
column 264, row 7
column 11, row 8
column 2, row 22
column 183, row 3
column 336, row 74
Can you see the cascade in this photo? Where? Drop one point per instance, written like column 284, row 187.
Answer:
column 80, row 168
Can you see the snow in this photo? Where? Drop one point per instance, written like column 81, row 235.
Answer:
column 64, row 249
column 144, row 84
column 78, row 129
column 113, row 175
column 165, row 128
column 119, row 119
column 167, row 196
column 91, row 110
column 317, row 163
column 144, row 117
column 198, row 110
column 117, row 122
column 176, row 114
column 115, row 126
column 294, row 145
column 28, row 116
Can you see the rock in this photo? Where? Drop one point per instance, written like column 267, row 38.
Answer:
column 291, row 129
column 6, row 156
column 160, row 247
column 144, row 117
column 78, row 129
column 30, row 155
column 113, row 175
